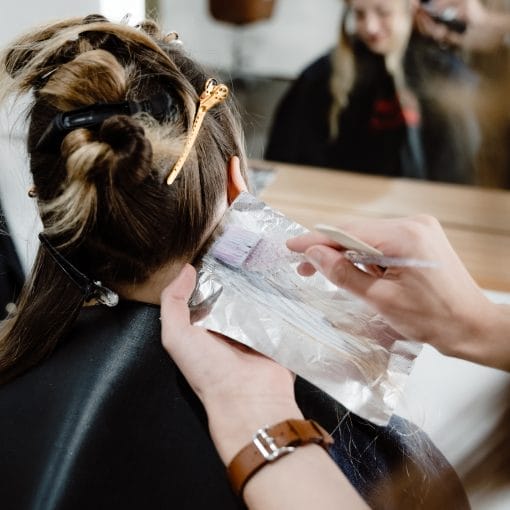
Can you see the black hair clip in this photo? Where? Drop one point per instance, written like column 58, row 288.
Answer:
column 161, row 107
column 89, row 288
column 95, row 18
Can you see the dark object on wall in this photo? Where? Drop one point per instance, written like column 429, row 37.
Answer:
column 241, row 12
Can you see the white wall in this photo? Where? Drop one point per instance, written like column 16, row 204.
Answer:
column 298, row 32
column 21, row 15
column 18, row 17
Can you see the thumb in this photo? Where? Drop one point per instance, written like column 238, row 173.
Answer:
column 182, row 286
column 338, row 270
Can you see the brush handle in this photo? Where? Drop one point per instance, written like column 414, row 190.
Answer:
column 383, row 261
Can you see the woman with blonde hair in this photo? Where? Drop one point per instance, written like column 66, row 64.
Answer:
column 135, row 154
column 373, row 104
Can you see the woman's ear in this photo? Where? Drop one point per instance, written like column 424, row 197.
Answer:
column 236, row 182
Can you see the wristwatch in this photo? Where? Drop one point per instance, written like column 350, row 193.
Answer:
column 272, row 443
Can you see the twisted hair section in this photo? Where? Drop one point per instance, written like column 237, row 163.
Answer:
column 102, row 196
column 90, row 157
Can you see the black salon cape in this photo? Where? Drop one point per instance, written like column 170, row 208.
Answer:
column 375, row 138
column 109, row 422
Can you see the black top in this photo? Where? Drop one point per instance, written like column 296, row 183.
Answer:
column 109, row 422
column 378, row 135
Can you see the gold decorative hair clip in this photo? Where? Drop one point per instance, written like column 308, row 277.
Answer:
column 172, row 38
column 212, row 95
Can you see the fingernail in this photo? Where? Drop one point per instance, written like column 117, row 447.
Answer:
column 314, row 256
column 289, row 243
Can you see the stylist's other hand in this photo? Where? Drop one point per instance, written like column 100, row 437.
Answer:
column 485, row 29
column 442, row 306
column 241, row 390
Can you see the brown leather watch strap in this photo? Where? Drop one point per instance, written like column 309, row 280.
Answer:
column 270, row 444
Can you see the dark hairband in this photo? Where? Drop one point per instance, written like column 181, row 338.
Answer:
column 89, row 288
column 161, row 107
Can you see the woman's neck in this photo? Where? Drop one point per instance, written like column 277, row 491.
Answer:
column 149, row 291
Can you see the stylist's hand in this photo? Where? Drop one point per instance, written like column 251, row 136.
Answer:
column 442, row 306
column 241, row 390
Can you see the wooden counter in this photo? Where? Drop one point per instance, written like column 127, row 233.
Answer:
column 476, row 220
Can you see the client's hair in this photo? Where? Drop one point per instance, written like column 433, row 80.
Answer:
column 102, row 196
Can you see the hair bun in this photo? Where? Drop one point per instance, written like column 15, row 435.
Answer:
column 132, row 151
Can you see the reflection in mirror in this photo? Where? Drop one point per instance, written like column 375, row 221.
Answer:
column 389, row 99
column 389, row 91
column 361, row 107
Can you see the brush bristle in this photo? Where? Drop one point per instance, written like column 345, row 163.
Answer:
column 235, row 245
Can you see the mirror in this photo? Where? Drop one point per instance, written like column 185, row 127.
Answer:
column 359, row 92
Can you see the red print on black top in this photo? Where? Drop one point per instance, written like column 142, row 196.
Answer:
column 389, row 114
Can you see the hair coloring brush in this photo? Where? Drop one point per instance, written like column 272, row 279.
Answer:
column 238, row 247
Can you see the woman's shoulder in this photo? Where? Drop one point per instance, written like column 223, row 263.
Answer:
column 317, row 72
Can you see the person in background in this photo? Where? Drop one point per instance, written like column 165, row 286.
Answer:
column 373, row 103
column 487, row 29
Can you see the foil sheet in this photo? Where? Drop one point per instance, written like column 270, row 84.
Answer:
column 317, row 330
